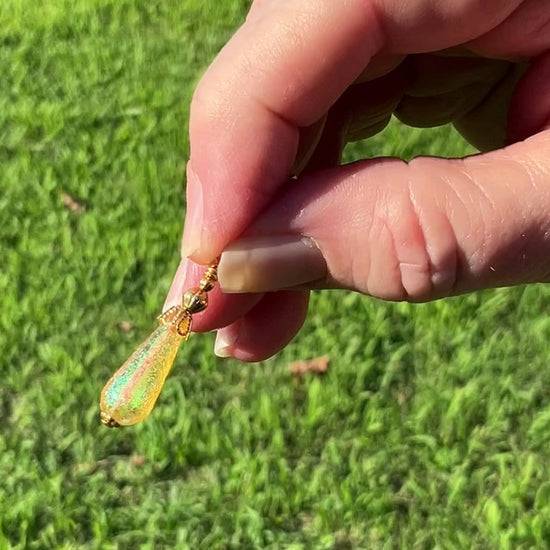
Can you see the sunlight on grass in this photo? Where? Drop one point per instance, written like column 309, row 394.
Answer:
column 430, row 429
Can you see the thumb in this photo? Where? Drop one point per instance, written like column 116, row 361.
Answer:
column 418, row 231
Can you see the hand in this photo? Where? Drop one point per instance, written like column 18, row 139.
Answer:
column 298, row 81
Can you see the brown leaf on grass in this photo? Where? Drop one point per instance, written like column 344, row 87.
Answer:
column 137, row 460
column 319, row 365
column 125, row 326
column 72, row 204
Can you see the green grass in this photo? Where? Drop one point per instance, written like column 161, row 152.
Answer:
column 431, row 428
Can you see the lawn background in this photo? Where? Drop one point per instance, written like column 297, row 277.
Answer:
column 431, row 428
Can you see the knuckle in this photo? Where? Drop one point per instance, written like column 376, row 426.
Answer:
column 413, row 246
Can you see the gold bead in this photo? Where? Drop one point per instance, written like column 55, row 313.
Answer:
column 206, row 284
column 195, row 300
column 209, row 277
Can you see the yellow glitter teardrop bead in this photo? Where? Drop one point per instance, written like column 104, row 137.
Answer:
column 130, row 395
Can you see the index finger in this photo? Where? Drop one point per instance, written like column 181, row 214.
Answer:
column 281, row 71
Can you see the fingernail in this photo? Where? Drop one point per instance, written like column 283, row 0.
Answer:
column 263, row 264
column 176, row 288
column 192, row 232
column 225, row 340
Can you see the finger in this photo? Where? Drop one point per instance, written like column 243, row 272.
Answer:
column 268, row 327
column 425, row 90
column 530, row 109
column 283, row 70
column 443, row 88
column 307, row 145
column 417, row 231
column 363, row 110
column 247, row 110
column 522, row 35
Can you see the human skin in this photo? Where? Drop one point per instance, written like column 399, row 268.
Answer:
column 297, row 82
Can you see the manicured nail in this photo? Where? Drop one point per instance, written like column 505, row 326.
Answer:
column 263, row 264
column 192, row 233
column 225, row 340
column 176, row 288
